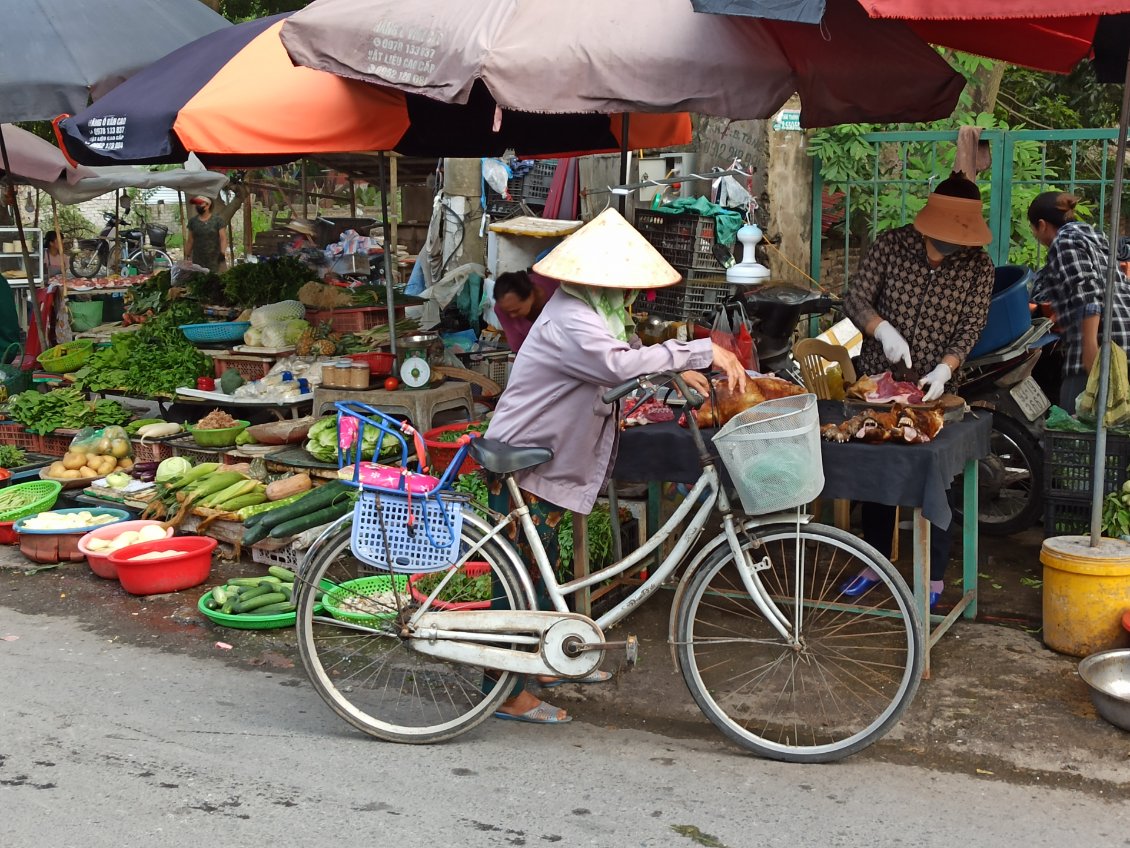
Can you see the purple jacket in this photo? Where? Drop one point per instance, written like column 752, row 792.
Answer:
column 552, row 398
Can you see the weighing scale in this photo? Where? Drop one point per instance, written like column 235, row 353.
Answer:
column 418, row 352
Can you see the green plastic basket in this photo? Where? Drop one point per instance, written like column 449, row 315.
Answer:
column 253, row 622
column 40, row 496
column 363, row 587
column 222, row 438
column 65, row 358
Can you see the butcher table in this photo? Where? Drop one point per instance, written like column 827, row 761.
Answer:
column 916, row 476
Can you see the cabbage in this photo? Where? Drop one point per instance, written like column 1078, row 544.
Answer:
column 171, row 468
column 274, row 335
column 322, row 441
column 253, row 337
column 293, row 330
column 274, row 313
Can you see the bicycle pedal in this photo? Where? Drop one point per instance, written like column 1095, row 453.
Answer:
column 631, row 650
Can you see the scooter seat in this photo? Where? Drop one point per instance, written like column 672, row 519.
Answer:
column 501, row 458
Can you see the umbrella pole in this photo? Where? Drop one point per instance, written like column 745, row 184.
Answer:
column 622, row 199
column 1108, row 299
column 33, row 292
column 387, row 228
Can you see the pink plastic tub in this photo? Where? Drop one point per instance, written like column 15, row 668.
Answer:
column 100, row 563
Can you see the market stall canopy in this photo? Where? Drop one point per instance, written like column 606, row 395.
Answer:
column 1046, row 36
column 58, row 54
column 39, row 163
column 234, row 98
column 630, row 55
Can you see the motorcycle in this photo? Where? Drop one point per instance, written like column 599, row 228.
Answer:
column 108, row 249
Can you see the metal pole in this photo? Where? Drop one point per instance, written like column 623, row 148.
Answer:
column 388, row 249
column 33, row 293
column 621, row 199
column 1098, row 474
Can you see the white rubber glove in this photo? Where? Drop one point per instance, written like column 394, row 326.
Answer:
column 894, row 345
column 936, row 381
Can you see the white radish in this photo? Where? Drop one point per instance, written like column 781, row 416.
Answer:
column 157, row 431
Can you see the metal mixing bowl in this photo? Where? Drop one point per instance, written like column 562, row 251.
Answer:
column 1107, row 675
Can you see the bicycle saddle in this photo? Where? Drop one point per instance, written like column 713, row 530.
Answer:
column 501, row 458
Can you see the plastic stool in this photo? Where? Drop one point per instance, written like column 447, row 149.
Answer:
column 418, row 405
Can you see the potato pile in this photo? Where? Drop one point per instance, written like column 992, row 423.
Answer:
column 93, row 459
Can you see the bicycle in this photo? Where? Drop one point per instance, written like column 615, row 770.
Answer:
column 772, row 653
column 107, row 250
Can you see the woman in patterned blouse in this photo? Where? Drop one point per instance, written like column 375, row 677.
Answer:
column 921, row 297
column 1073, row 281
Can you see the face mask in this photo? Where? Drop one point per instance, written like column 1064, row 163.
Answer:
column 946, row 248
column 200, row 207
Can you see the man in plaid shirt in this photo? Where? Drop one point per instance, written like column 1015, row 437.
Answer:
column 1073, row 281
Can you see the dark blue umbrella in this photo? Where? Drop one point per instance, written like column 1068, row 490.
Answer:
column 798, row 11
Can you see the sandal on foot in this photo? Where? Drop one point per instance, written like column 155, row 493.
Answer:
column 542, row 713
column 597, row 676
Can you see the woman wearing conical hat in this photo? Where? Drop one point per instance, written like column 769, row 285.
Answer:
column 577, row 348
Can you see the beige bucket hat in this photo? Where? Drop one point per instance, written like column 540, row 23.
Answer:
column 957, row 220
column 301, row 225
column 608, row 252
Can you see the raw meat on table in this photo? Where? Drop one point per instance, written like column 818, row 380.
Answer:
column 725, row 404
column 884, row 388
column 650, row 412
column 913, row 426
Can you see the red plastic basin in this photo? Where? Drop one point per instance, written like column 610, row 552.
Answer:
column 8, row 534
column 189, row 568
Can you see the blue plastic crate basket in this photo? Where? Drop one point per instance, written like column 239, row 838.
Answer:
column 381, row 531
column 219, row 331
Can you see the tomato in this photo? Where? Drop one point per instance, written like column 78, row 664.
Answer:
column 391, row 384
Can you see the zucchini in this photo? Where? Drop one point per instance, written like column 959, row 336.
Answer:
column 313, row 501
column 247, row 604
column 284, row 574
column 311, row 520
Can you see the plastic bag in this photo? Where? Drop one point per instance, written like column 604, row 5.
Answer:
column 722, row 334
column 496, row 175
column 96, row 453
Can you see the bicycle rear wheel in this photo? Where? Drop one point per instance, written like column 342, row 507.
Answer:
column 856, row 667
column 371, row 676
column 149, row 260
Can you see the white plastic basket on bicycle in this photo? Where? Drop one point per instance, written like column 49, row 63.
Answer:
column 772, row 452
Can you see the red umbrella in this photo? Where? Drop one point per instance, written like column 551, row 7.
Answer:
column 1048, row 37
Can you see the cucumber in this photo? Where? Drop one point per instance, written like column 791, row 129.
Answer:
column 246, row 582
column 284, row 574
column 272, row 582
column 229, row 605
column 311, row 520
column 252, row 515
column 219, row 595
column 255, row 534
column 211, row 604
column 248, row 604
column 258, row 591
column 273, row 609
column 313, row 501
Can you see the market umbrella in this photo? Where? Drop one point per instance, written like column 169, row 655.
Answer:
column 234, row 98
column 629, row 55
column 58, row 54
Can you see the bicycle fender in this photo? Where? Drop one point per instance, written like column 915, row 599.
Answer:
column 749, row 525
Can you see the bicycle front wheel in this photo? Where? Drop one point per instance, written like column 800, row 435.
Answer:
column 852, row 671
column 369, row 673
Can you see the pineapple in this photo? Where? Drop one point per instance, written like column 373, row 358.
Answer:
column 305, row 344
column 317, row 341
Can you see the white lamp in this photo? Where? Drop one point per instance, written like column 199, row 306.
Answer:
column 749, row 271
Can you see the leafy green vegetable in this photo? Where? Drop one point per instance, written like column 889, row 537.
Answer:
column 600, row 539
column 460, row 588
column 11, row 456
column 456, row 435
column 153, row 360
column 476, row 486
column 63, row 408
column 267, row 281
column 322, row 441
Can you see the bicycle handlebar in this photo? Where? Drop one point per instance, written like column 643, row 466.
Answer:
column 651, row 383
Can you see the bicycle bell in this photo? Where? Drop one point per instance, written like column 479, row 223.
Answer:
column 748, row 272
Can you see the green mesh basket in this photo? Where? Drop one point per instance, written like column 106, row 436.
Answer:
column 65, row 358
column 26, row 499
column 364, row 587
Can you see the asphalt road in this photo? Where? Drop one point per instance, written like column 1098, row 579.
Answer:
column 110, row 744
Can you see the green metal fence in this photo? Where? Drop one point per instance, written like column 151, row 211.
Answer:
column 890, row 183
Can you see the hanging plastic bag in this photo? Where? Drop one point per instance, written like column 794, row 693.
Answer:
column 722, row 333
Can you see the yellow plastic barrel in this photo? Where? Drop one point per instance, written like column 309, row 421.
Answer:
column 1086, row 592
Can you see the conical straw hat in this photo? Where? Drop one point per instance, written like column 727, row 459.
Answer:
column 608, row 252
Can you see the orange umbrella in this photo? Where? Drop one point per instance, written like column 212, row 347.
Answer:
column 235, row 98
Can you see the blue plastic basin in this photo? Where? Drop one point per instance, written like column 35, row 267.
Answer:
column 1009, row 316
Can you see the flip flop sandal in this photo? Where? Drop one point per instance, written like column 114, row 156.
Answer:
column 597, row 676
column 543, row 713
